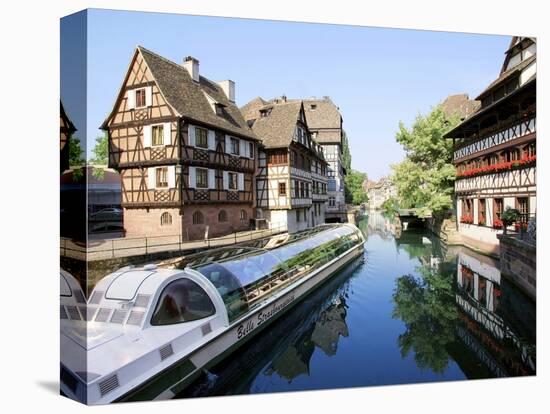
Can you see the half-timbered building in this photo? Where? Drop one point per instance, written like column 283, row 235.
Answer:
column 325, row 123
column 66, row 130
column 495, row 149
column 292, row 172
column 186, row 156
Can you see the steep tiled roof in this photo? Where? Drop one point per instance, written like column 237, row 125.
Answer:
column 323, row 116
column 276, row 129
column 188, row 99
column 460, row 105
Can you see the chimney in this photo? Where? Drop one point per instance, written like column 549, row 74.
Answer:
column 228, row 87
column 192, row 66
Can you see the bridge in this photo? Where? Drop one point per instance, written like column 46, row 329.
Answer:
column 409, row 216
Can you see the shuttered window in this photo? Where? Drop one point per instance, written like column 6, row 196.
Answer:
column 201, row 138
column 202, row 178
column 140, row 98
column 157, row 135
column 232, row 181
column 162, row 177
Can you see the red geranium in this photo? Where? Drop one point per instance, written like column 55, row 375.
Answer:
column 497, row 224
column 503, row 166
column 467, row 219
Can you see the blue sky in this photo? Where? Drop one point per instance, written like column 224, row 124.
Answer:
column 376, row 76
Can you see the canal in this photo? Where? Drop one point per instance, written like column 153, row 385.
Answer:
column 411, row 310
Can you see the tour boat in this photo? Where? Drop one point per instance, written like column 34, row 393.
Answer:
column 147, row 332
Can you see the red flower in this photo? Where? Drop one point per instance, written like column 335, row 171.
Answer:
column 503, row 166
column 497, row 224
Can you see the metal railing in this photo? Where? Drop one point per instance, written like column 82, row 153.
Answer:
column 137, row 246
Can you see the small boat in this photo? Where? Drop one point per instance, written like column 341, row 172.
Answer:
column 147, row 332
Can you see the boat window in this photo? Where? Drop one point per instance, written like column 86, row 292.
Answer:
column 182, row 301
column 245, row 275
column 229, row 287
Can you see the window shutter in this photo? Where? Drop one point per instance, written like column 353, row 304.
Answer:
column 148, row 96
column 240, row 178
column 212, row 179
column 227, row 145
column 211, row 140
column 167, row 130
column 225, row 180
column 192, row 177
column 171, row 176
column 191, row 134
column 152, row 178
column 131, row 96
column 147, row 136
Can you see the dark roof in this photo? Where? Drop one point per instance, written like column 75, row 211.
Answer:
column 276, row 129
column 325, row 118
column 69, row 125
column 187, row 96
column 530, row 83
column 506, row 75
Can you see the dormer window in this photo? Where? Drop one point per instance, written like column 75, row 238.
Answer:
column 265, row 112
column 313, row 107
column 140, row 98
column 219, row 109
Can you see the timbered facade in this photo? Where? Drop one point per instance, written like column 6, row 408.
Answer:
column 186, row 156
column 495, row 149
column 325, row 123
column 66, row 130
column 291, row 179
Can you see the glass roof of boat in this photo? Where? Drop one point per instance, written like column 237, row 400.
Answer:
column 244, row 273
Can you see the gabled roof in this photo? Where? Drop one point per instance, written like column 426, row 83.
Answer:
column 188, row 98
column 276, row 129
column 68, row 123
column 324, row 115
column 506, row 75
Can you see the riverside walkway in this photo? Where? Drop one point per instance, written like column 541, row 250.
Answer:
column 139, row 246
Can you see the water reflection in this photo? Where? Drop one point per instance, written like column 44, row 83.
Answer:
column 413, row 310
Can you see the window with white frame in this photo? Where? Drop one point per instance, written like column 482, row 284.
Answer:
column 233, row 146
column 232, row 180
column 161, row 177
column 202, row 178
column 157, row 135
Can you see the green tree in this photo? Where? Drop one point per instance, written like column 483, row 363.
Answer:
column 101, row 155
column 354, row 187
column 425, row 179
column 426, row 305
column 101, row 150
column 75, row 153
column 346, row 153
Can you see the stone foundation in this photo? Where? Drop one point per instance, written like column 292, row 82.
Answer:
column 518, row 261
column 141, row 222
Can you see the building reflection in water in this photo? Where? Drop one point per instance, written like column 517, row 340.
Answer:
column 490, row 326
column 323, row 333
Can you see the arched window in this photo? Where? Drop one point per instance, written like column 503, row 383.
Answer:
column 243, row 215
column 182, row 301
column 165, row 219
column 198, row 218
column 222, row 216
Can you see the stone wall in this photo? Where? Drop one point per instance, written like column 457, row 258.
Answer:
column 141, row 222
column 518, row 261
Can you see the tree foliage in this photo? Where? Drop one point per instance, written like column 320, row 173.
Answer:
column 346, row 153
column 427, row 307
column 354, row 187
column 101, row 150
column 75, row 153
column 424, row 180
